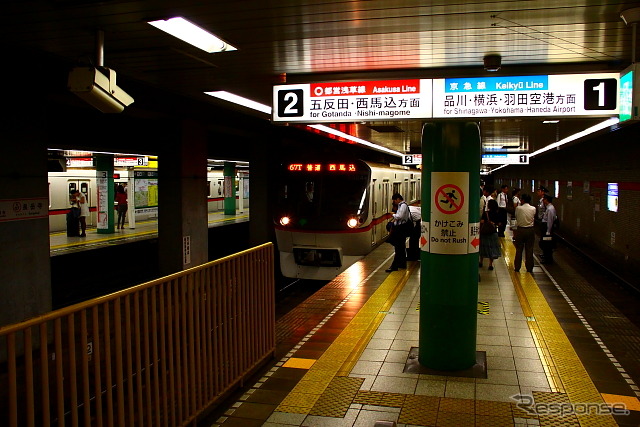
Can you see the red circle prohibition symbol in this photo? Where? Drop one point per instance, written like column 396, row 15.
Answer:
column 449, row 202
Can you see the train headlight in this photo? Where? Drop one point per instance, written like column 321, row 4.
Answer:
column 352, row 222
column 285, row 220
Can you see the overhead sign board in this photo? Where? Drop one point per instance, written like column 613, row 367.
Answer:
column 567, row 95
column 352, row 101
column 412, row 159
column 527, row 96
column 505, row 159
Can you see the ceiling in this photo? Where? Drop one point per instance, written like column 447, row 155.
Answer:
column 328, row 40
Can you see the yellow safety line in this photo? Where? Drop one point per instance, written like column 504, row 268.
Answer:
column 126, row 236
column 105, row 239
column 228, row 219
column 564, row 368
column 345, row 350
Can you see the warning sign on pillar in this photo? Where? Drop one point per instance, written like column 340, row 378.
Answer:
column 424, row 236
column 449, row 230
column 474, row 237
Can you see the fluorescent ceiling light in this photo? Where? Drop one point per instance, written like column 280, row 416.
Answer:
column 336, row 132
column 550, row 121
column 602, row 125
column 236, row 99
column 192, row 34
column 227, row 96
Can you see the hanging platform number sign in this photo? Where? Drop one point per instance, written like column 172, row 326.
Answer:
column 449, row 223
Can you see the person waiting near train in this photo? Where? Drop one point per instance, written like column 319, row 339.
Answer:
column 524, row 234
column 400, row 231
column 81, row 201
column 413, row 252
column 503, row 200
column 486, row 196
column 541, row 191
column 489, row 243
column 123, row 205
column 546, row 230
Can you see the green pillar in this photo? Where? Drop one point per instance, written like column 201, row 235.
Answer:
column 229, row 188
column 450, row 242
column 105, row 193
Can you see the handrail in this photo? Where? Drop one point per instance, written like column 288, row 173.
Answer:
column 159, row 353
column 112, row 296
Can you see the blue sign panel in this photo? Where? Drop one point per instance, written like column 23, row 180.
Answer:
column 497, row 84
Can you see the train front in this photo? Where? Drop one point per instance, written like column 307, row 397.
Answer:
column 322, row 217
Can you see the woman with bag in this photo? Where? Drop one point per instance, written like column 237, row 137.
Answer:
column 489, row 243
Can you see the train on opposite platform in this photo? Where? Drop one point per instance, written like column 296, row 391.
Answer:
column 145, row 202
column 332, row 212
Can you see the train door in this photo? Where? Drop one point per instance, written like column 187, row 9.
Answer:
column 374, row 211
column 83, row 185
column 385, row 202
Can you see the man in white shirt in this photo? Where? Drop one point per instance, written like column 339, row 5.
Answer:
column 400, row 233
column 503, row 199
column 546, row 230
column 413, row 251
column 525, row 235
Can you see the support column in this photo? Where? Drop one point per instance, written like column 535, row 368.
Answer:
column 105, row 193
column 25, row 269
column 449, row 256
column 229, row 188
column 183, row 231
column 261, row 225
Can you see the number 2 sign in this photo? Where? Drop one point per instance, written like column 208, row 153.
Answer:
column 290, row 103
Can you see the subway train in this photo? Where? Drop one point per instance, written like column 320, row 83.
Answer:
column 145, row 194
column 331, row 213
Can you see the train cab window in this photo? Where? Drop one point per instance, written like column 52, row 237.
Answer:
column 324, row 201
column 208, row 189
column 309, row 190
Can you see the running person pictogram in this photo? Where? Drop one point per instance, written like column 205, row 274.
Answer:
column 449, row 199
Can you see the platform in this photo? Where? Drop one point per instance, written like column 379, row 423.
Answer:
column 148, row 229
column 344, row 353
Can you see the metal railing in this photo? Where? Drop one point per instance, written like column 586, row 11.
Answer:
column 158, row 354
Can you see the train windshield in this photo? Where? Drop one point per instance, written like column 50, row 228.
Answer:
column 324, row 199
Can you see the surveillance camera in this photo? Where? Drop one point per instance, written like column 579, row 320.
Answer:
column 98, row 89
column 492, row 62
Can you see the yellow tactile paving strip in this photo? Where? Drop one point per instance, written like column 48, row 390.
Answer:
column 557, row 351
column 326, row 390
column 344, row 352
column 337, row 398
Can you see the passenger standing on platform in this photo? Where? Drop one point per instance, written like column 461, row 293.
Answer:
column 486, row 191
column 541, row 208
column 81, row 200
column 525, row 235
column 489, row 243
column 401, row 226
column 123, row 205
column 546, row 230
column 503, row 200
column 511, row 208
column 413, row 253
